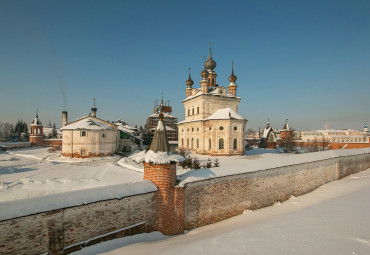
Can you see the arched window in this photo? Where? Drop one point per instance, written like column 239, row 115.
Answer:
column 103, row 135
column 198, row 110
column 209, row 144
column 187, row 141
column 235, row 144
column 188, row 112
column 83, row 133
column 192, row 143
column 193, row 111
column 182, row 142
column 221, row 144
column 197, row 143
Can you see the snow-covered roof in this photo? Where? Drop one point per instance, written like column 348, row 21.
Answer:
column 48, row 130
column 225, row 113
column 167, row 128
column 159, row 157
column 88, row 123
column 36, row 121
column 165, row 114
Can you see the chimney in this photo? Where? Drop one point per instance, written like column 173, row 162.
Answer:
column 64, row 118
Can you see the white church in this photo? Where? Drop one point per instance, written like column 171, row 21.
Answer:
column 212, row 124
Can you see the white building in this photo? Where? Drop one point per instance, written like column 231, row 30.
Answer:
column 212, row 124
column 93, row 137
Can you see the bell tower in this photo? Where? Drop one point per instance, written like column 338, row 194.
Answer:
column 37, row 134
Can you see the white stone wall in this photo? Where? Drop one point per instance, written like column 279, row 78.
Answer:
column 93, row 143
column 208, row 104
column 196, row 135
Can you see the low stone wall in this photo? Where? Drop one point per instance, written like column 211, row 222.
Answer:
column 16, row 145
column 65, row 230
column 213, row 200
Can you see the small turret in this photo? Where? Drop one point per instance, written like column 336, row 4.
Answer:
column 232, row 78
column 93, row 110
column 189, row 83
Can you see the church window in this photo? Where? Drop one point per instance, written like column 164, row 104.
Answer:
column 235, row 144
column 103, row 135
column 221, row 128
column 235, row 128
column 188, row 112
column 83, row 133
column 198, row 110
column 193, row 111
column 182, row 142
column 221, row 144
column 209, row 144
column 188, row 130
column 187, row 142
column 192, row 129
column 197, row 143
column 197, row 129
column 210, row 128
column 192, row 143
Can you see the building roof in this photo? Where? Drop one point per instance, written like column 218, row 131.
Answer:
column 165, row 114
column 225, row 114
column 89, row 123
column 36, row 121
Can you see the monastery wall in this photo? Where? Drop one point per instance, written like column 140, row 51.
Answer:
column 65, row 230
column 213, row 200
column 185, row 205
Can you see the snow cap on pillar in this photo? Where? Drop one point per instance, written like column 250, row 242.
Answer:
column 160, row 141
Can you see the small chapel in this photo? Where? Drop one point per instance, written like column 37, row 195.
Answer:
column 212, row 125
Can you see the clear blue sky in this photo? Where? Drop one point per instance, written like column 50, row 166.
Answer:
column 308, row 61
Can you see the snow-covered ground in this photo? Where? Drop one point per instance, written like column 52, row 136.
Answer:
column 35, row 172
column 32, row 172
column 333, row 219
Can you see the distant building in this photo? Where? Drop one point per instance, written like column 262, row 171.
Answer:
column 212, row 124
column 268, row 137
column 169, row 120
column 93, row 137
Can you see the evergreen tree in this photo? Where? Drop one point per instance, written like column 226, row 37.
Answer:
column 54, row 133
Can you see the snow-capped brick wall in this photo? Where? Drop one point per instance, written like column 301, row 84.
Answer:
column 63, row 230
column 212, row 200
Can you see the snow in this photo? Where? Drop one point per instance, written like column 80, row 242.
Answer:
column 34, row 172
column 88, row 123
column 165, row 114
column 160, row 157
column 242, row 164
column 160, row 126
column 330, row 220
column 225, row 113
column 23, row 207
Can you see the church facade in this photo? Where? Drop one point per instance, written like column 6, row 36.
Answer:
column 212, row 124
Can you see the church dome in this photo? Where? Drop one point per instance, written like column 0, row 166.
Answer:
column 232, row 77
column 189, row 82
column 210, row 64
column 204, row 73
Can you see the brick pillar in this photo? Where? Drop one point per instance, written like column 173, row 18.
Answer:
column 170, row 199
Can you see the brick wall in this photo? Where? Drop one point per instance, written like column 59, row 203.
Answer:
column 65, row 230
column 53, row 142
column 170, row 199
